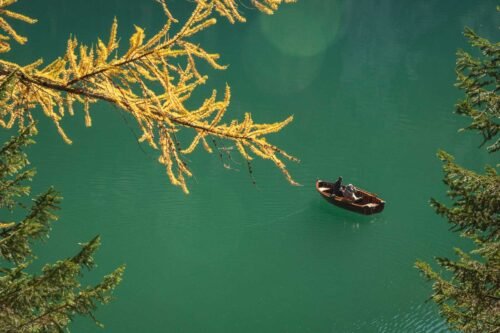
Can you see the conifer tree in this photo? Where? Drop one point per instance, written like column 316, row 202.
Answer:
column 468, row 291
column 478, row 77
column 48, row 300
column 152, row 81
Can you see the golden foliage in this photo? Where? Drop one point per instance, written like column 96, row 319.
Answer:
column 269, row 6
column 152, row 81
column 229, row 8
column 7, row 28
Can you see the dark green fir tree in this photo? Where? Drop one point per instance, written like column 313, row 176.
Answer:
column 478, row 77
column 46, row 301
column 468, row 290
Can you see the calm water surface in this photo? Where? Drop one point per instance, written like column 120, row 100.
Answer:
column 370, row 85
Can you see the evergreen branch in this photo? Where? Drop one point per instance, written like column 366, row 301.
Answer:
column 479, row 78
column 14, row 244
column 47, row 302
column 468, row 292
column 83, row 303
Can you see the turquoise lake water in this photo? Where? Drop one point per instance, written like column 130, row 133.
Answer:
column 371, row 87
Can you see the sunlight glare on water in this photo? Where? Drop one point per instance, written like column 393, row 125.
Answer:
column 283, row 80
column 286, row 30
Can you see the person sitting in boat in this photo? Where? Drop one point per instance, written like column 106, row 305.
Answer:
column 350, row 193
column 337, row 186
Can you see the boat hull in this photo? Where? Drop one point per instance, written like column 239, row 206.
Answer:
column 369, row 204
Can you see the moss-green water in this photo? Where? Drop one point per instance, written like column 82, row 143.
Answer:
column 370, row 86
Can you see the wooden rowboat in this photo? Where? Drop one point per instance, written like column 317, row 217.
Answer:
column 367, row 205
